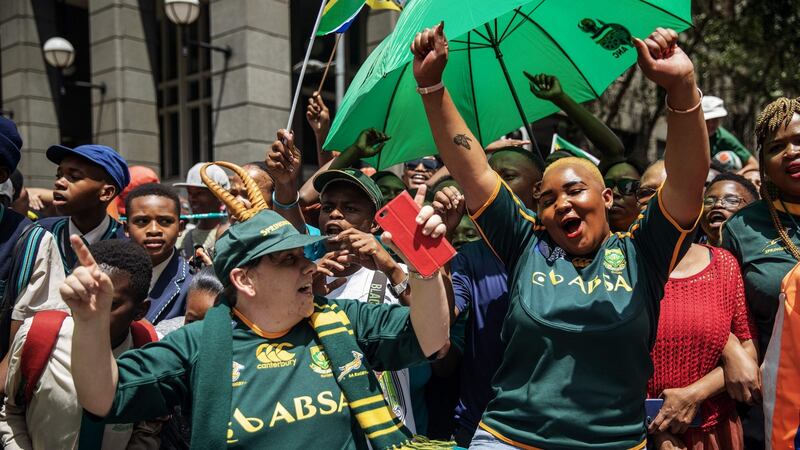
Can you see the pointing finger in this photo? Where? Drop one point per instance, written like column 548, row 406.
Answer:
column 82, row 251
column 419, row 197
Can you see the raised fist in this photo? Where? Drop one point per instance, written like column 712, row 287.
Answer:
column 283, row 159
column 430, row 51
column 662, row 61
column 546, row 87
column 370, row 142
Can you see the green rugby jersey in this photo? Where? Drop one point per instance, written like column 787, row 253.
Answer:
column 751, row 236
column 578, row 330
column 283, row 392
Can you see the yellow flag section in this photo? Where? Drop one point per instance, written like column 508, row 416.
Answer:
column 781, row 370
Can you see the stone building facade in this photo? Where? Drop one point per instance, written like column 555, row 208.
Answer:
column 168, row 102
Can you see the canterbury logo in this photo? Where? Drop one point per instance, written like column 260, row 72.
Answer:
column 274, row 353
column 351, row 366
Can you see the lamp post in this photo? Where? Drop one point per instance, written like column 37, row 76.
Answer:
column 59, row 53
column 183, row 13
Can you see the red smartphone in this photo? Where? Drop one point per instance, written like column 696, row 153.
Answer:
column 425, row 253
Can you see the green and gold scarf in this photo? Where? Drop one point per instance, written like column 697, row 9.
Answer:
column 212, row 395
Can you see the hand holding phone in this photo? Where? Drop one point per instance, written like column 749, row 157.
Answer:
column 417, row 234
column 652, row 406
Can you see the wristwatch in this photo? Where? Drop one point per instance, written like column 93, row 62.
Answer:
column 399, row 288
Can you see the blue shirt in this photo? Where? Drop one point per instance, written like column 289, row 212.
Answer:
column 480, row 284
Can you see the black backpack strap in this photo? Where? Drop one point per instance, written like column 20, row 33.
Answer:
column 23, row 259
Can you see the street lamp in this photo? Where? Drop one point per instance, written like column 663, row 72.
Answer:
column 59, row 53
column 182, row 12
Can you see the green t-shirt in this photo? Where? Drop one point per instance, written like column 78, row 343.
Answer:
column 751, row 236
column 578, row 331
column 723, row 140
column 283, row 392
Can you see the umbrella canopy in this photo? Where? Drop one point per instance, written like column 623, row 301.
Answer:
column 585, row 43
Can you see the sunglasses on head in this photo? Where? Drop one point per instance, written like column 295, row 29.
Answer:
column 625, row 186
column 644, row 194
column 428, row 164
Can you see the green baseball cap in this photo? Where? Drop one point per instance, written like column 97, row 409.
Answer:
column 244, row 242
column 353, row 176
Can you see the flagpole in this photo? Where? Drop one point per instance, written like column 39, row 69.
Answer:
column 305, row 64
column 327, row 66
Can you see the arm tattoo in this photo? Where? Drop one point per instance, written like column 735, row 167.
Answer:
column 462, row 141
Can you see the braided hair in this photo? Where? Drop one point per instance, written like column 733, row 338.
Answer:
column 775, row 116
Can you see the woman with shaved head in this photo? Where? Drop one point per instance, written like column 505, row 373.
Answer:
column 583, row 302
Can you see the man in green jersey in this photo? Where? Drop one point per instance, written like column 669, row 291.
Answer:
column 583, row 303
column 301, row 367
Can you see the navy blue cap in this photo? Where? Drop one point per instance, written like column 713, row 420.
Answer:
column 10, row 144
column 106, row 157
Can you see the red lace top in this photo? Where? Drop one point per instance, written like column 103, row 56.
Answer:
column 697, row 314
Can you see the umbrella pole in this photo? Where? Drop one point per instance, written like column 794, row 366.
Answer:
column 537, row 154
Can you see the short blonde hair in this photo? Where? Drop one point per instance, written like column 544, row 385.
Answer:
column 575, row 161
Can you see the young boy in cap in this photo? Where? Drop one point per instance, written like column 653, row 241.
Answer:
column 30, row 265
column 368, row 274
column 202, row 201
column 41, row 410
column 88, row 179
column 154, row 223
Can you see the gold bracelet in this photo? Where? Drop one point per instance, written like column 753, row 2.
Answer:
column 684, row 111
column 419, row 276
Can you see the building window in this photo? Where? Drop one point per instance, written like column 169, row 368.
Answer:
column 184, row 94
column 355, row 54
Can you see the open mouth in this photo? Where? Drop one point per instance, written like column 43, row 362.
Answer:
column 419, row 178
column 58, row 199
column 333, row 229
column 716, row 219
column 572, row 226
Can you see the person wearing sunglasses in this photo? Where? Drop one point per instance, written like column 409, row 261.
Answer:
column 622, row 177
column 704, row 339
column 418, row 171
column 725, row 195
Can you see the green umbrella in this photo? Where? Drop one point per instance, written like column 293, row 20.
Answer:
column 586, row 43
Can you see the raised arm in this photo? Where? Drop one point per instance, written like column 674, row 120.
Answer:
column 319, row 117
column 89, row 293
column 687, row 152
column 283, row 165
column 368, row 144
column 460, row 150
column 428, row 299
column 547, row 87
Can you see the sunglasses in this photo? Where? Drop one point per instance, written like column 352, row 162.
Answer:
column 625, row 186
column 428, row 164
column 645, row 194
column 729, row 202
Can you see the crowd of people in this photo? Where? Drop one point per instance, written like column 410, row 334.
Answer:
column 619, row 305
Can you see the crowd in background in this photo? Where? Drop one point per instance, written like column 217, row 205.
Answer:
column 717, row 276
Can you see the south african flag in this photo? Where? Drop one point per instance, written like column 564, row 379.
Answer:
column 338, row 15
column 564, row 145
